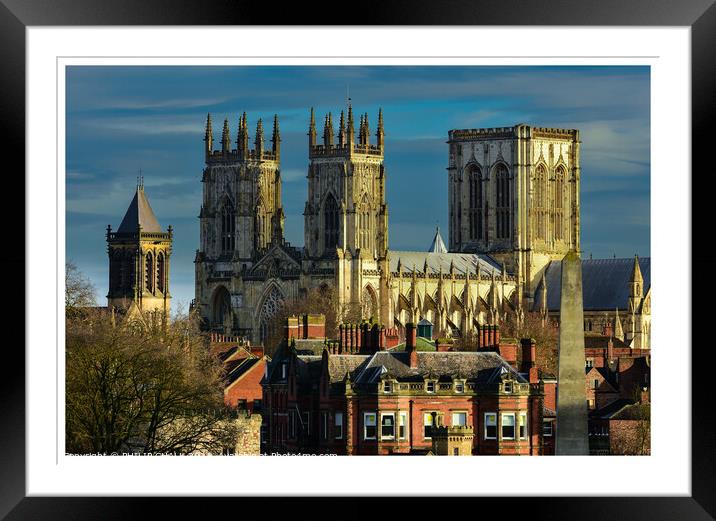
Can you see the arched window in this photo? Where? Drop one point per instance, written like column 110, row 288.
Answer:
column 222, row 312
column 149, row 273
column 330, row 222
column 475, row 208
column 540, row 203
column 503, row 202
column 228, row 229
column 368, row 303
column 115, row 272
column 559, row 203
column 160, row 272
column 364, row 223
column 271, row 306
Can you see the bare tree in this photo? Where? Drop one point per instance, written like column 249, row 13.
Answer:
column 319, row 300
column 142, row 385
column 543, row 331
column 79, row 291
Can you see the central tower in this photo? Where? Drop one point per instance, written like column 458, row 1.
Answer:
column 346, row 217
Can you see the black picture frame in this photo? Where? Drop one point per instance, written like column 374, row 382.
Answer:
column 17, row 15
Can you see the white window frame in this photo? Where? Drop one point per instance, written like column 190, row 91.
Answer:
column 338, row 425
column 452, row 418
column 460, row 387
column 590, row 362
column 494, row 415
column 432, row 422
column 365, row 425
column 428, row 384
column 403, row 419
column 508, row 387
column 387, row 387
column 383, row 415
column 551, row 428
column 306, row 422
column 502, row 425
column 522, row 431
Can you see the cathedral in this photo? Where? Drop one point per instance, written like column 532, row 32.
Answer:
column 513, row 210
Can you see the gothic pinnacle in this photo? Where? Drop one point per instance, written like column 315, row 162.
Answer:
column 276, row 139
column 209, row 136
column 259, row 143
column 312, row 130
column 226, row 137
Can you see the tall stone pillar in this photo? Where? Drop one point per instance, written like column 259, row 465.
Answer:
column 572, row 438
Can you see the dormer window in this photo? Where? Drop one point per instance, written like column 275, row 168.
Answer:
column 430, row 386
column 507, row 386
column 283, row 370
column 460, row 387
column 387, row 386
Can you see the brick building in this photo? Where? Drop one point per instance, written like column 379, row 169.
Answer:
column 244, row 368
column 323, row 397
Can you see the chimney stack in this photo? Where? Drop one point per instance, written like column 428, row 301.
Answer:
column 410, row 347
column 529, row 359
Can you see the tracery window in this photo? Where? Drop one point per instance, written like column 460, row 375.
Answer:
column 559, row 203
column 540, row 209
column 475, row 207
column 330, row 222
column 368, row 304
column 504, row 202
column 228, row 229
column 271, row 306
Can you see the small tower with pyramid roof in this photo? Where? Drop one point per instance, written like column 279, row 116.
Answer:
column 139, row 253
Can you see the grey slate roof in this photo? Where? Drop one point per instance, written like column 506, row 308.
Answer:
column 463, row 262
column 139, row 212
column 478, row 367
column 339, row 365
column 605, row 283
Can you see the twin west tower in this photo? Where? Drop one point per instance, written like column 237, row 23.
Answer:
column 513, row 195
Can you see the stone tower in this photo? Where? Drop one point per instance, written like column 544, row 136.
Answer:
column 139, row 253
column 346, row 216
column 240, row 220
column 514, row 194
column 241, row 207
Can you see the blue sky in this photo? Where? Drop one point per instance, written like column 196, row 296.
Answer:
column 122, row 119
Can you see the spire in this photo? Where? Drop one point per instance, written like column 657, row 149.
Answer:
column 312, row 130
column 259, row 142
column 380, row 134
column 438, row 245
column 139, row 214
column 350, row 130
column 366, row 130
column 226, row 138
column 342, row 131
column 209, row 137
column 276, row 139
column 361, row 132
column 636, row 286
column 618, row 329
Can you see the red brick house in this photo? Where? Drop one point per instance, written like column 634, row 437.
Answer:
column 244, row 368
column 319, row 399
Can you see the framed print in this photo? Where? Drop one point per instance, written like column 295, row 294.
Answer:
column 277, row 185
